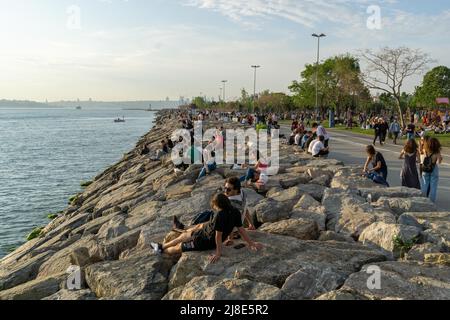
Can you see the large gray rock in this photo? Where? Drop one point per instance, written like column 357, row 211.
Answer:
column 35, row 289
column 280, row 258
column 297, row 228
column 113, row 228
column 402, row 281
column 350, row 214
column 402, row 205
column 393, row 192
column 381, row 235
column 312, row 280
column 333, row 236
column 314, row 190
column 142, row 277
column 67, row 295
column 15, row 274
column 289, row 180
column 309, row 208
column 217, row 288
column 418, row 252
column 278, row 206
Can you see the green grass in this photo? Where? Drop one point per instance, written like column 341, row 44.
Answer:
column 85, row 184
column 36, row 233
column 52, row 216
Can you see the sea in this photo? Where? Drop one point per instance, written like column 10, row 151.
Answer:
column 45, row 154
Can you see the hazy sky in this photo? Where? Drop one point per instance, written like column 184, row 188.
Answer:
column 150, row 49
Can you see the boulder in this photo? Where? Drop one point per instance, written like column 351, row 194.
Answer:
column 68, row 295
column 418, row 252
column 402, row 205
column 438, row 258
column 350, row 214
column 280, row 258
column 324, row 180
column 113, row 228
column 14, row 274
column 219, row 289
column 312, row 280
column 269, row 210
column 409, row 220
column 394, row 192
column 402, row 281
column 289, row 180
column 340, row 295
column 314, row 190
column 333, row 236
column 297, row 228
column 383, row 235
column 353, row 183
column 278, row 206
column 36, row 289
column 144, row 276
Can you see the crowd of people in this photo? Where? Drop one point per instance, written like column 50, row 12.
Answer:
column 229, row 217
column 420, row 167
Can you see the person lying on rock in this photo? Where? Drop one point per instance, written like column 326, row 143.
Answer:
column 210, row 235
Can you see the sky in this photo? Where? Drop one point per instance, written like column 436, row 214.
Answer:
column 152, row 49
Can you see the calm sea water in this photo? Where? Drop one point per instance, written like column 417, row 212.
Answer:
column 46, row 153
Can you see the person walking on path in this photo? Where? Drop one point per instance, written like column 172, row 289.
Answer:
column 409, row 174
column 430, row 169
column 395, row 130
column 377, row 129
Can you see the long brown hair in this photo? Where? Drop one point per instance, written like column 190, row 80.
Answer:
column 222, row 202
column 410, row 146
column 433, row 146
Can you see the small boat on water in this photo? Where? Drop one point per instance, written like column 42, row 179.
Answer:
column 79, row 108
column 118, row 120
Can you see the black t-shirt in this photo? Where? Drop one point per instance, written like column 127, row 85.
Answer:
column 379, row 158
column 225, row 222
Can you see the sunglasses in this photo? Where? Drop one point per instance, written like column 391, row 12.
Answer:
column 227, row 190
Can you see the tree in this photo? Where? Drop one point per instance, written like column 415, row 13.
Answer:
column 339, row 82
column 200, row 102
column 388, row 69
column 436, row 84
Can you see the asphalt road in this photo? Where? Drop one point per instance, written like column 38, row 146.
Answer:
column 350, row 148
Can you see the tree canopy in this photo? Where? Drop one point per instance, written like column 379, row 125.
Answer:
column 436, row 84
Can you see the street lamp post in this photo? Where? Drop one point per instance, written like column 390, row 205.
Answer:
column 317, row 67
column 254, row 85
column 224, row 82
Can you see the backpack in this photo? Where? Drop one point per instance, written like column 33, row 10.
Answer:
column 428, row 165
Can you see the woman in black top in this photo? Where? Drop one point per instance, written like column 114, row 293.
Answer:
column 377, row 129
column 210, row 235
column 378, row 163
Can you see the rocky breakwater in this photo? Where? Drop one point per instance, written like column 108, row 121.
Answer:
column 321, row 235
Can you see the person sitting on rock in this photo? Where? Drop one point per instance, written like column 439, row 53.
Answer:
column 210, row 235
column 238, row 197
column 319, row 149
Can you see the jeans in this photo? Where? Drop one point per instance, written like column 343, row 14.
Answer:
column 249, row 176
column 211, row 167
column 383, row 173
column 430, row 184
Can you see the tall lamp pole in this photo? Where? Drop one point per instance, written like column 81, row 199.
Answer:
column 317, row 67
column 224, row 82
column 254, row 85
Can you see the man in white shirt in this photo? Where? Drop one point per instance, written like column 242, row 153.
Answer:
column 319, row 130
column 319, row 148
